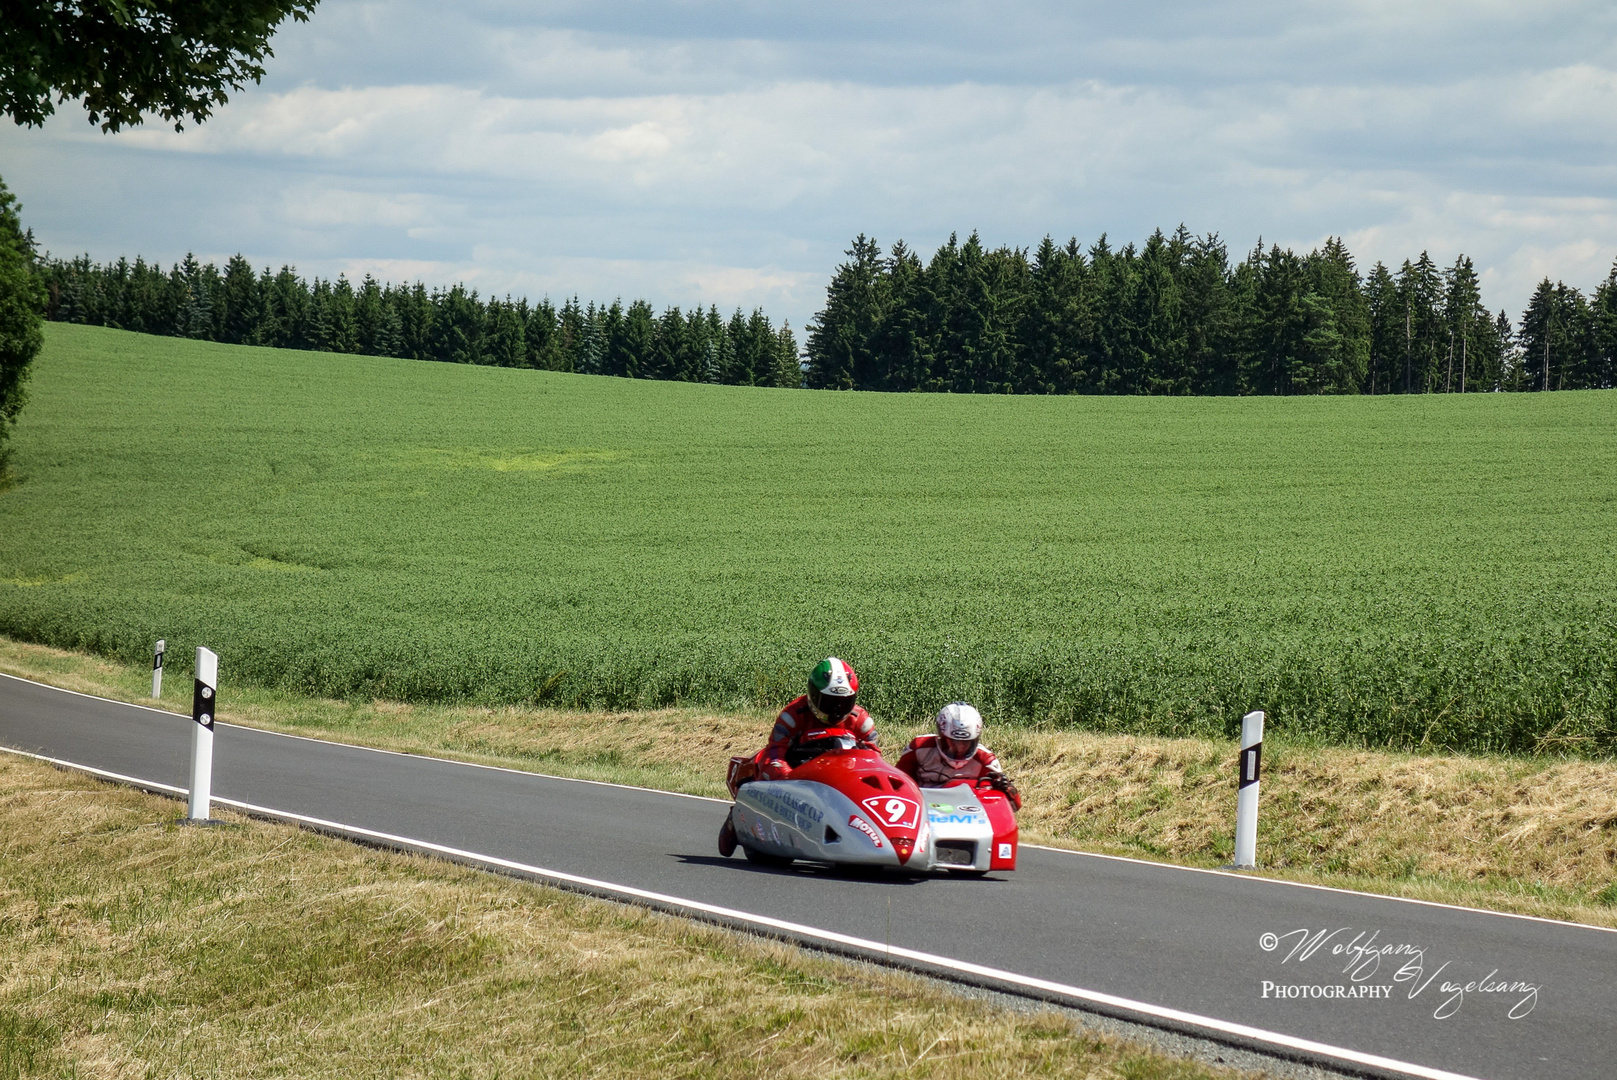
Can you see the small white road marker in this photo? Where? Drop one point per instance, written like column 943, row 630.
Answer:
column 1246, row 799
column 204, row 700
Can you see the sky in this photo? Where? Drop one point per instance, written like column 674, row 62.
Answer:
column 727, row 153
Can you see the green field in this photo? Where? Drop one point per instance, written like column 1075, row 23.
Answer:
column 1434, row 570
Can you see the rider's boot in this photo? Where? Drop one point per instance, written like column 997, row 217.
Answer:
column 727, row 837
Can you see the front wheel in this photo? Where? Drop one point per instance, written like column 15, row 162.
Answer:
column 763, row 858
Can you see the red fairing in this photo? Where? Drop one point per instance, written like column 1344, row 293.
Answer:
column 888, row 800
column 1003, row 820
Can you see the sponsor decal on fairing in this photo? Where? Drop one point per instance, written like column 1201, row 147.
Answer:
column 786, row 806
column 865, row 827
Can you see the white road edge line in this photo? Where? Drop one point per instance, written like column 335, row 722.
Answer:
column 1240, row 876
column 1178, row 1016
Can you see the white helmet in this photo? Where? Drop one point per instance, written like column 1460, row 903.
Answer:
column 960, row 726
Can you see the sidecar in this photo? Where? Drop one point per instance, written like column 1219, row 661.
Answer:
column 848, row 807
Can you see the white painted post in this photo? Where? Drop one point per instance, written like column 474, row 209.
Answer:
column 1246, row 799
column 157, row 669
column 203, row 701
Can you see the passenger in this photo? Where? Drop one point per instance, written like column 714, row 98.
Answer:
column 831, row 701
column 956, row 755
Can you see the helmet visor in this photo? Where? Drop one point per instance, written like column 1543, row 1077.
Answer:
column 835, row 706
column 958, row 749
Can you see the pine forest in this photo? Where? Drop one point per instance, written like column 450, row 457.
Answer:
column 1171, row 317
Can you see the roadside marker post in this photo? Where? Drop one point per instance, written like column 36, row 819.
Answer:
column 203, row 701
column 1246, row 799
column 157, row 669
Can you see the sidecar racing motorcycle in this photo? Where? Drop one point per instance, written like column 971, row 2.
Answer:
column 846, row 806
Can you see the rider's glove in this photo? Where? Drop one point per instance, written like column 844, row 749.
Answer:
column 1003, row 783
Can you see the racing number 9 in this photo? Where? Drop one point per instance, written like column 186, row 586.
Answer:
column 893, row 812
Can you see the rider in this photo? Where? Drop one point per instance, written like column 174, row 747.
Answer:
column 830, row 702
column 956, row 754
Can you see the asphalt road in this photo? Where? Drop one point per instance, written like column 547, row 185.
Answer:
column 1393, row 987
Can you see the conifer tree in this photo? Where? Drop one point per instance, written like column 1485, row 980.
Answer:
column 1603, row 333
column 1283, row 321
column 615, row 358
column 742, row 355
column 788, row 366
column 1386, row 330
column 543, row 336
column 504, row 339
column 1555, row 340
column 591, row 346
column 457, row 326
column 636, row 337
column 667, row 343
column 570, row 324
column 719, row 355
column 1155, row 356
column 339, row 324
column 1113, row 274
column 242, row 302
column 1510, row 352
column 692, row 362
column 1204, row 291
column 1340, row 337
column 377, row 325
column 136, row 297
column 195, row 319
column 841, row 336
column 906, row 338
column 1420, row 287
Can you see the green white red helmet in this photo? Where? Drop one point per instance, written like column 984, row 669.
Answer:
column 833, row 688
column 960, row 729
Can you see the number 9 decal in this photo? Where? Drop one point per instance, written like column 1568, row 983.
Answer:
column 894, row 812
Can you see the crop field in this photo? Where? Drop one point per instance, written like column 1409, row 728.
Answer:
column 1434, row 571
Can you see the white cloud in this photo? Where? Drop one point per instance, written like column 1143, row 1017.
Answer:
column 726, row 152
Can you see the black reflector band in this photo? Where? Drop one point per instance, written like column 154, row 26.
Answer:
column 202, row 704
column 1251, row 764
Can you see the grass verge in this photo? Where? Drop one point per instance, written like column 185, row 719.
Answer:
column 133, row 946
column 1535, row 836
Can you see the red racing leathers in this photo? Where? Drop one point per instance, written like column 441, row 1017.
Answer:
column 925, row 763
column 798, row 719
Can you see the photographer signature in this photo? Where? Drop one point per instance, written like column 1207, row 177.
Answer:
column 1363, row 955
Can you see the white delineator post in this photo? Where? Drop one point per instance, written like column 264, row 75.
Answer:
column 1246, row 799
column 157, row 669
column 203, row 700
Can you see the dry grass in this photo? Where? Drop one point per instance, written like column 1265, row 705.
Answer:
column 1534, row 836
column 132, row 946
column 1531, row 835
